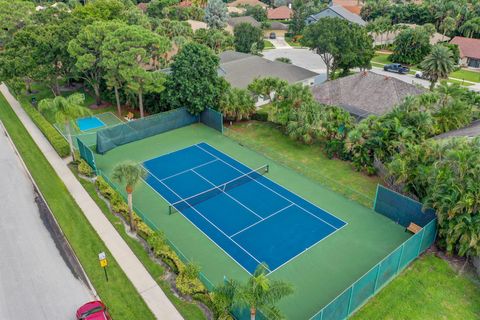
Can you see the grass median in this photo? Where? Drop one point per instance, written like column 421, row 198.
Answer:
column 118, row 293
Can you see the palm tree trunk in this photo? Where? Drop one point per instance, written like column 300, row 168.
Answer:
column 96, row 89
column 130, row 208
column 56, row 88
column 432, row 85
column 28, row 85
column 253, row 313
column 117, row 98
column 140, row 102
column 70, row 141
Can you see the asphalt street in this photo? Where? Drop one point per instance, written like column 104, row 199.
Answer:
column 36, row 282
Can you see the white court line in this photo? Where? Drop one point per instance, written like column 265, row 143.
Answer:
column 198, row 228
column 179, row 173
column 274, row 191
column 228, row 195
column 267, row 217
column 221, row 231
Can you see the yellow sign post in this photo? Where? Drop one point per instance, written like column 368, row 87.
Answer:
column 102, row 257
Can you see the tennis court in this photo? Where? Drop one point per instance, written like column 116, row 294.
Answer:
column 250, row 217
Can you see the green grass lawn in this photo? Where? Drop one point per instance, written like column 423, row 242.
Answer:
column 428, row 289
column 381, row 58
column 293, row 43
column 466, row 75
column 267, row 139
column 267, row 45
column 119, row 294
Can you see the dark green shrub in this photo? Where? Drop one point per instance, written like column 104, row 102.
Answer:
column 57, row 141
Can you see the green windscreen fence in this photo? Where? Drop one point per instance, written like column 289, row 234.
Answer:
column 86, row 154
column 212, row 118
column 135, row 130
column 401, row 209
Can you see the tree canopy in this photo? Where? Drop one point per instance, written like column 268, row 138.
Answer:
column 248, row 38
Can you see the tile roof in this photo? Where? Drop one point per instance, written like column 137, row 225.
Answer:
column 248, row 19
column 469, row 47
column 340, row 11
column 240, row 69
column 470, row 131
column 253, row 3
column 280, row 13
column 365, row 93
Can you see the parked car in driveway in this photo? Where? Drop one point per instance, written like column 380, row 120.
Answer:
column 396, row 67
column 272, row 35
column 93, row 310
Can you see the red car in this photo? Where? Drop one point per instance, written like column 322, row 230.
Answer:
column 94, row 310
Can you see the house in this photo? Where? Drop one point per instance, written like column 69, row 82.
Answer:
column 276, row 27
column 240, row 69
column 365, row 93
column 354, row 6
column 253, row 3
column 469, row 51
column 232, row 22
column 280, row 13
column 389, row 37
column 335, row 11
column 195, row 25
column 470, row 131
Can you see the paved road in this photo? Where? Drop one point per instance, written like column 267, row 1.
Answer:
column 35, row 280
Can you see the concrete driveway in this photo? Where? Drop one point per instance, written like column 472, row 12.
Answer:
column 300, row 57
column 36, row 281
column 280, row 43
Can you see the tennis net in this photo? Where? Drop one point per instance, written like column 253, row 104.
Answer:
column 210, row 193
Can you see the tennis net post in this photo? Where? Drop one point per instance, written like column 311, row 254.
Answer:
column 212, row 192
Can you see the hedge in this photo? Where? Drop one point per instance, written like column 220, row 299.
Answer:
column 156, row 241
column 56, row 139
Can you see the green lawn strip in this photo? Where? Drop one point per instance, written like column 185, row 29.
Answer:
column 466, row 75
column 309, row 160
column 118, row 293
column 187, row 309
column 267, row 45
column 428, row 289
column 293, row 43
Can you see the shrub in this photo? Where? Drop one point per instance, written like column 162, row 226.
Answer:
column 57, row 141
column 260, row 116
column 104, row 188
column 84, row 168
column 187, row 281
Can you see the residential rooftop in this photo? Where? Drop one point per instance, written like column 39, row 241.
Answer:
column 365, row 93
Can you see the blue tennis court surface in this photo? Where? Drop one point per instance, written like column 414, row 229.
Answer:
column 250, row 217
column 89, row 123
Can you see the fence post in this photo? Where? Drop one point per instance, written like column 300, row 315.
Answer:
column 376, row 195
column 376, row 278
column 421, row 242
column 400, row 260
column 350, row 298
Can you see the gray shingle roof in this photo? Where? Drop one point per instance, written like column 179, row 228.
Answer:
column 248, row 19
column 471, row 131
column 365, row 93
column 240, row 69
column 337, row 11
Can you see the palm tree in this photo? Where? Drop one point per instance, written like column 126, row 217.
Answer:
column 66, row 110
column 260, row 292
column 448, row 25
column 438, row 64
column 471, row 27
column 129, row 173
